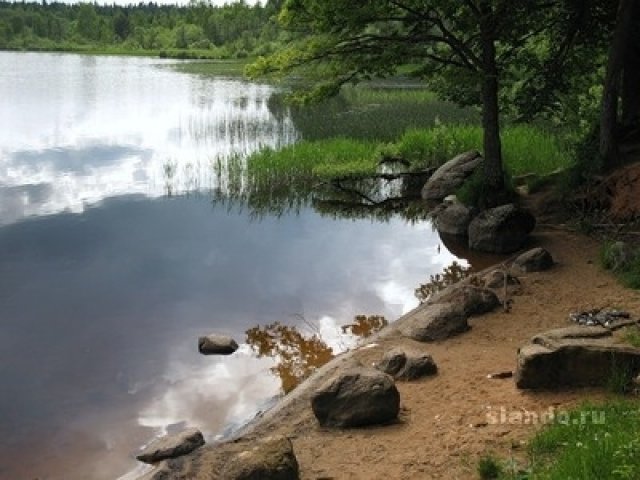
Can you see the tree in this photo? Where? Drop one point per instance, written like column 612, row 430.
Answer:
column 621, row 82
column 121, row 26
column 87, row 21
column 472, row 43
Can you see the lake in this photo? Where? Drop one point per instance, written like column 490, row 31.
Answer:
column 114, row 258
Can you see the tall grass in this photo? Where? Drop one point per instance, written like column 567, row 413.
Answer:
column 526, row 149
column 377, row 114
column 323, row 159
column 381, row 94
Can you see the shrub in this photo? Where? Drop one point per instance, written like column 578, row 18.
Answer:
column 489, row 468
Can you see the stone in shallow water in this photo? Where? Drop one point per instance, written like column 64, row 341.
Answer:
column 502, row 229
column 172, row 446
column 216, row 345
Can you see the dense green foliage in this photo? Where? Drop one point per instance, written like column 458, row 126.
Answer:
column 477, row 53
column 235, row 30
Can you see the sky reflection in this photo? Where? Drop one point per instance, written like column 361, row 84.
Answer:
column 106, row 282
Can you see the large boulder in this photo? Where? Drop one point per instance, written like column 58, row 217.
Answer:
column 574, row 357
column 446, row 314
column 172, row 446
column 502, row 229
column 270, row 459
column 216, row 345
column 450, row 176
column 534, row 260
column 472, row 300
column 403, row 365
column 356, row 397
column 439, row 322
column 453, row 218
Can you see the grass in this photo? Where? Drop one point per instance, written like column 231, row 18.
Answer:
column 323, row 159
column 632, row 336
column 526, row 149
column 377, row 112
column 338, row 157
column 381, row 93
column 592, row 442
column 489, row 468
column 233, row 68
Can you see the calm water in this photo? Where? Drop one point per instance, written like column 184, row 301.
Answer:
column 106, row 281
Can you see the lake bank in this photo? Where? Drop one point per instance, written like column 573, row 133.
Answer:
column 444, row 427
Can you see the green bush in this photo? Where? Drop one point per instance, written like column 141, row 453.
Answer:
column 489, row 468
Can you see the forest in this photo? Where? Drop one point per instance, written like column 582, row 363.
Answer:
column 235, row 30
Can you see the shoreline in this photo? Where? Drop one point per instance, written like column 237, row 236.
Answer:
column 444, row 424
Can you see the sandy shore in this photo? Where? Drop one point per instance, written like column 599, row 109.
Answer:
column 447, row 421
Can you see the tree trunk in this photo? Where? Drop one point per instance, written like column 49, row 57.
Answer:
column 493, row 170
column 631, row 73
column 612, row 83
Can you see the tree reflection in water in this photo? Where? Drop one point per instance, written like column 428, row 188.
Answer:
column 450, row 275
column 365, row 326
column 299, row 355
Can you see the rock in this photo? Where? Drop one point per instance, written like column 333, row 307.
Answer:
column 534, row 260
column 453, row 219
column 450, row 176
column 472, row 300
column 495, row 279
column 502, row 229
column 217, row 345
column 172, row 446
column 446, row 313
column 356, row 397
column 270, row 459
column 407, row 366
column 574, row 357
column 439, row 322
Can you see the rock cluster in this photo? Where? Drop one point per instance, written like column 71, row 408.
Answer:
column 403, row 365
column 503, row 229
column 446, row 314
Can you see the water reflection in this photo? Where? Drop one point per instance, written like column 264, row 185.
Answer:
column 297, row 355
column 125, row 288
column 109, row 272
column 85, row 128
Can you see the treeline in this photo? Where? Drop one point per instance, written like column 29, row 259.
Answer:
column 235, row 30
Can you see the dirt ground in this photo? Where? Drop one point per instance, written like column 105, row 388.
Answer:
column 447, row 422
